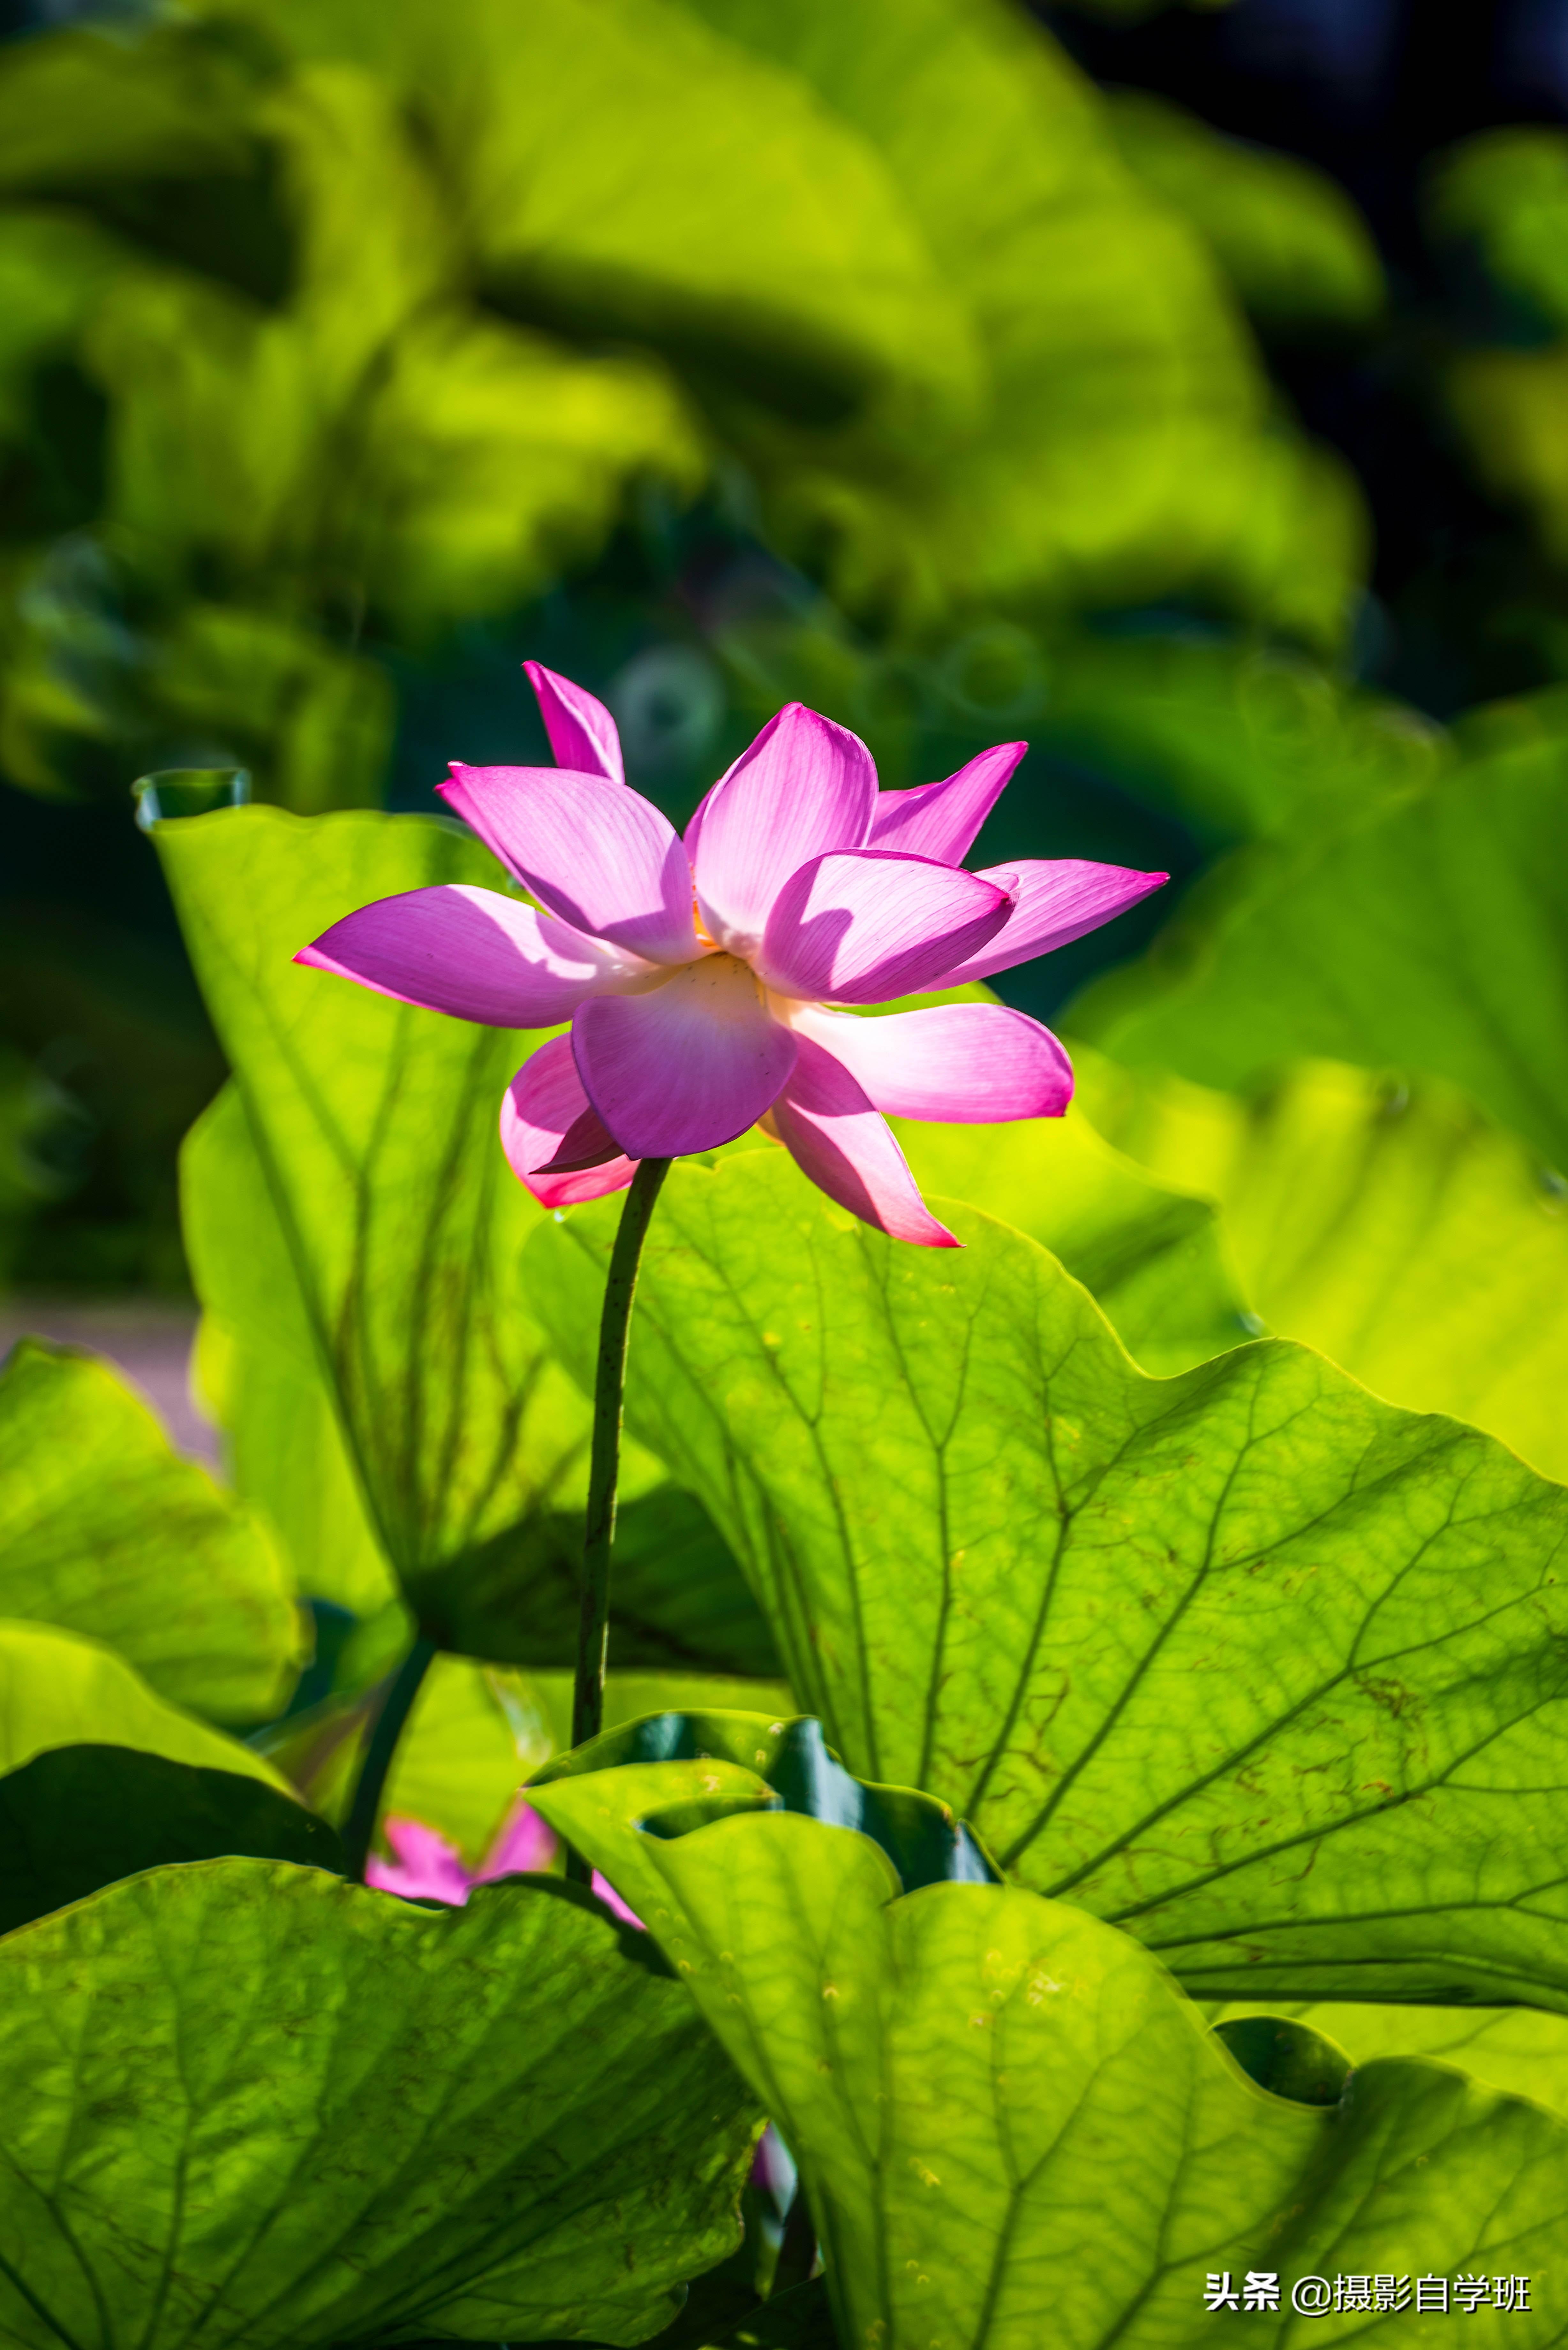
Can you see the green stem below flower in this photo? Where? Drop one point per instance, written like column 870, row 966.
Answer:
column 396, row 1707
column 604, row 1466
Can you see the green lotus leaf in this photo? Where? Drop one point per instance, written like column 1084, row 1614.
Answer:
column 1002, row 2106
column 356, row 1235
column 79, row 108
column 1426, row 936
column 500, row 2120
column 1351, row 1203
column 1248, row 1661
column 584, row 147
column 1522, row 2051
column 1125, row 452
column 57, row 1690
column 1150, row 1255
column 79, row 1817
column 104, row 1530
column 1236, row 742
column 1292, row 244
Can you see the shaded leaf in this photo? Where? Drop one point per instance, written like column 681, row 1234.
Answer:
column 105, row 1529
column 1351, row 1205
column 91, row 104
column 1002, row 2106
column 1501, row 199
column 1522, row 2050
column 81, row 1817
column 1507, row 407
column 497, row 2119
column 1247, row 1661
column 1288, row 237
column 1236, row 742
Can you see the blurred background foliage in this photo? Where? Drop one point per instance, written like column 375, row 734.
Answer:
column 1185, row 390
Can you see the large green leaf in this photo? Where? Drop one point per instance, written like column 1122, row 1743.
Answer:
column 588, row 147
column 1127, row 451
column 259, row 1371
column 1150, row 1255
column 1431, row 936
column 81, row 1817
column 1391, row 1225
column 59, row 1690
column 356, row 1237
column 1248, row 1661
column 89, row 106
column 1002, row 2106
column 498, row 2120
column 371, row 1127
column 106, row 1531
column 1236, row 740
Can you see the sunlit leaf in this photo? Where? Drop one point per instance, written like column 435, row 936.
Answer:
column 355, row 1236
column 1429, row 936
column 1149, row 1256
column 1125, row 453
column 1247, row 1661
column 104, row 1530
column 1391, row 1225
column 1000, row 2105
column 373, row 1126
column 494, row 2120
column 58, row 1690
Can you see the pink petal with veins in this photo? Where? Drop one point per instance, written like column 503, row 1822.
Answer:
column 590, row 850
column 830, row 1129
column 581, row 731
column 551, row 1135
column 471, row 953
column 1055, row 901
column 804, row 785
column 862, row 926
column 685, row 1066
column 963, row 1063
column 942, row 820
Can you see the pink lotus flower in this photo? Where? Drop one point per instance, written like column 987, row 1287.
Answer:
column 427, row 1868
column 706, row 979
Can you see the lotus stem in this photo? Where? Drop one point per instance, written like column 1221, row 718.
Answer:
column 396, row 1707
column 604, row 1466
